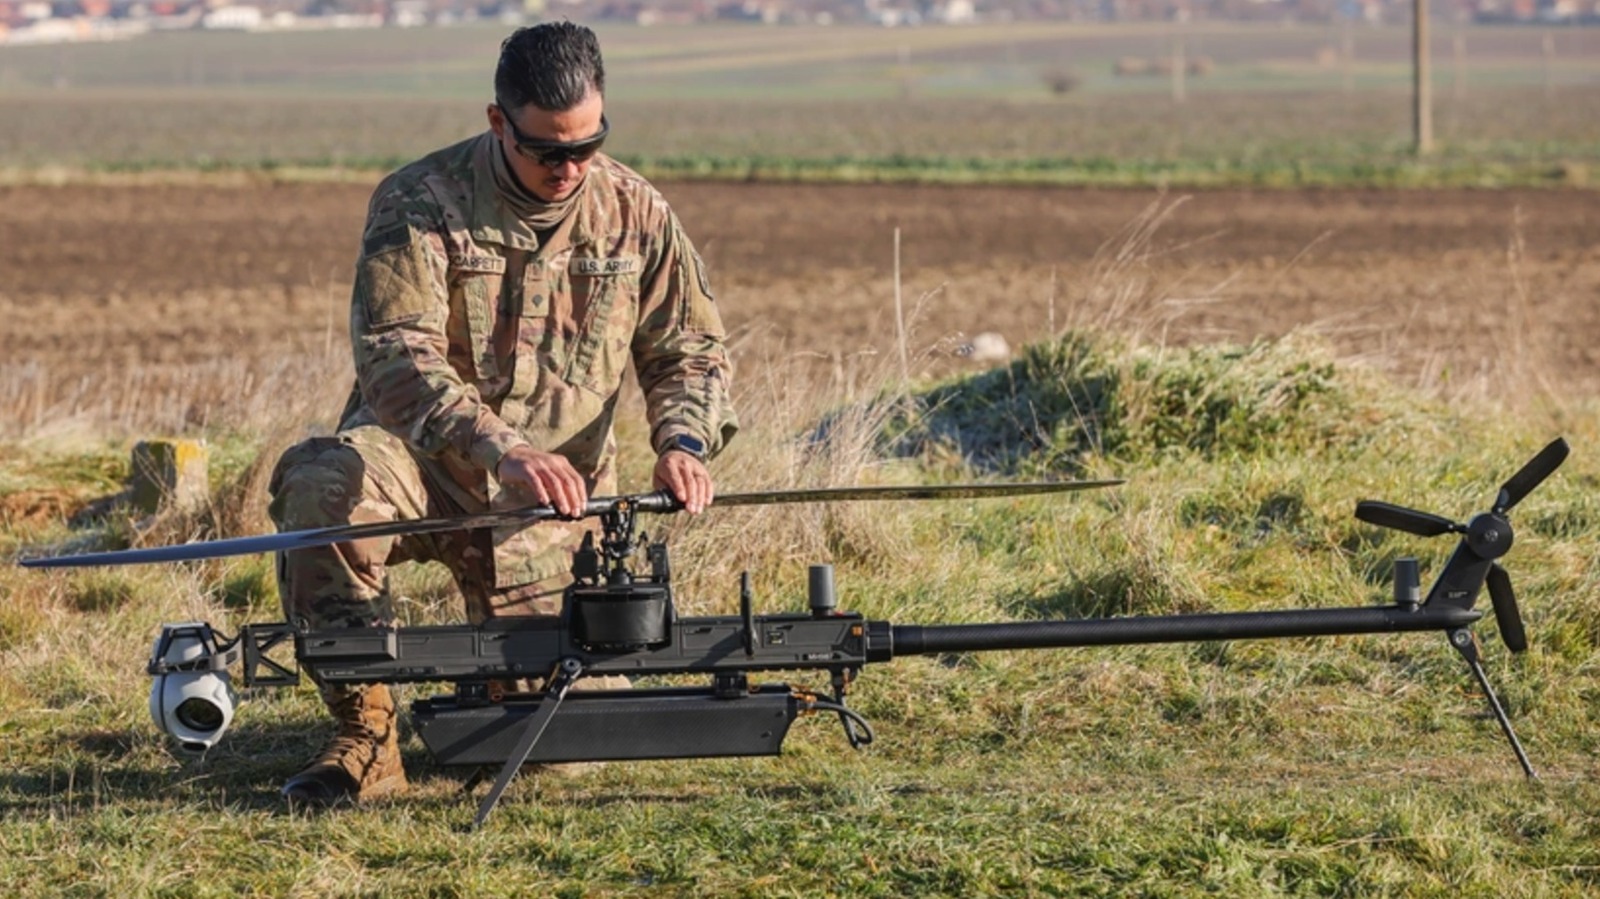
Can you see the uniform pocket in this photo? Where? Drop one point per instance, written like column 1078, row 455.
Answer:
column 595, row 297
column 605, row 294
column 477, row 284
column 479, row 296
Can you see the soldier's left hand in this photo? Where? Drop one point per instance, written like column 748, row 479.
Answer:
column 687, row 478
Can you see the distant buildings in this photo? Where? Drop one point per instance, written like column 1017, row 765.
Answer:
column 52, row 21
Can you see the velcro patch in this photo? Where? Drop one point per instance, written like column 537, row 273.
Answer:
column 591, row 266
column 392, row 238
column 396, row 285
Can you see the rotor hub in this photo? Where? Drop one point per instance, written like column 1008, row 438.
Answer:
column 1489, row 536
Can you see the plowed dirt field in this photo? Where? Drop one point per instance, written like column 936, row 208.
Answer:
column 1451, row 289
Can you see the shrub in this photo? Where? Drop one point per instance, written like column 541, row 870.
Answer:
column 1092, row 393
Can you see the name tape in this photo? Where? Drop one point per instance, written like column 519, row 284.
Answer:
column 492, row 264
column 588, row 265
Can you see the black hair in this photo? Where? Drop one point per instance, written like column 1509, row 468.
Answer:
column 552, row 65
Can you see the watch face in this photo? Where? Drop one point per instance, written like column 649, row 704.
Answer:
column 691, row 445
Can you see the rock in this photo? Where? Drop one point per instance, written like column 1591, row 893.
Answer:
column 986, row 347
column 169, row 474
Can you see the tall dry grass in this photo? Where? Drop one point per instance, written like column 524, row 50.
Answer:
column 809, row 420
column 259, row 391
column 1308, row 765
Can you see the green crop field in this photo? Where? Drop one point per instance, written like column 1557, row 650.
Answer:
column 1274, row 105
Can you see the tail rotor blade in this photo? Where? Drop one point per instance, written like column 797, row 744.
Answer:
column 1532, row 475
column 1506, row 614
column 1399, row 518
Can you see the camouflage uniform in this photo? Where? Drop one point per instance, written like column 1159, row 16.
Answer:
column 474, row 334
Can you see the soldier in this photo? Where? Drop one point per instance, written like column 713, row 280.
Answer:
column 504, row 283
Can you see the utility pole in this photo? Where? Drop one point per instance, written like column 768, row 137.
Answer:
column 1347, row 55
column 1179, row 67
column 1422, row 89
column 1547, row 50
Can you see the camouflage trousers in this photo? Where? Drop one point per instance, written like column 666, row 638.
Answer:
column 368, row 475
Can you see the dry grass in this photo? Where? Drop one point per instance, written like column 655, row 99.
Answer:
column 1137, row 284
column 1354, row 766
column 1309, row 767
column 259, row 395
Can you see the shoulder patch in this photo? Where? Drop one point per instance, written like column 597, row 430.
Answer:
column 395, row 285
column 700, row 272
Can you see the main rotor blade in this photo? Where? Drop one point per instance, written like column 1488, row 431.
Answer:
column 950, row 491
column 1506, row 614
column 1387, row 515
column 658, row 501
column 1532, row 475
column 291, row 540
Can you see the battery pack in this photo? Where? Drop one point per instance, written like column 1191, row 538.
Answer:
column 609, row 725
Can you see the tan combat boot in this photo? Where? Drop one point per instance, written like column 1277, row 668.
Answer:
column 362, row 761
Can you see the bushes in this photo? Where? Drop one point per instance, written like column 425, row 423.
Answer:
column 1093, row 393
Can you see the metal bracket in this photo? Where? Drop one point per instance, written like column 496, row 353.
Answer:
column 259, row 669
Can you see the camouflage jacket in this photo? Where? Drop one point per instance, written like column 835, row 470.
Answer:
column 472, row 337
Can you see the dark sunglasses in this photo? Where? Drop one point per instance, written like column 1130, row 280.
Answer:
column 552, row 153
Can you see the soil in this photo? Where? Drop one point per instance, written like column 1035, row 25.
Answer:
column 1444, row 288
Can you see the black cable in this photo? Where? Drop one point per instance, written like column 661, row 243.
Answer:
column 849, row 717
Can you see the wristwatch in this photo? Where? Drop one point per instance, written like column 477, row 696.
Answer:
column 684, row 443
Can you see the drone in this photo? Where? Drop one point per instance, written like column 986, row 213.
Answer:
column 618, row 618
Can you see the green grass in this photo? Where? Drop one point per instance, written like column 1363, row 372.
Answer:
column 1352, row 766
column 1386, row 170
column 954, row 105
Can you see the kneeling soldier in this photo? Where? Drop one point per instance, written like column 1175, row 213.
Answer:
column 503, row 287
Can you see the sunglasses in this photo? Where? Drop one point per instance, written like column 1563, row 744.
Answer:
column 553, row 153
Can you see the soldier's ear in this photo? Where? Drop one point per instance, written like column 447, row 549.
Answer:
column 497, row 120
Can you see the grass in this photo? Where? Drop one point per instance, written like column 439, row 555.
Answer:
column 1350, row 766
column 956, row 105
column 1501, row 138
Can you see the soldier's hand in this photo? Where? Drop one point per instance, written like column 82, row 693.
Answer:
column 548, row 478
column 686, row 477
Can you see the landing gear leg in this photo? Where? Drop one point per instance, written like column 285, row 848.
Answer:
column 1467, row 646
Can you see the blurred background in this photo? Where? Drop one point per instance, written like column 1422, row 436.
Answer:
column 1275, row 92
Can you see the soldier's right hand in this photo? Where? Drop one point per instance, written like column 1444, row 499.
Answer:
column 546, row 477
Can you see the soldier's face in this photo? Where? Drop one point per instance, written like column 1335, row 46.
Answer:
column 532, row 126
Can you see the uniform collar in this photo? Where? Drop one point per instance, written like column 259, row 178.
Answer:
column 494, row 218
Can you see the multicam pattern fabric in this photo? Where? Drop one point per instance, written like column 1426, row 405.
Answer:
column 474, row 334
